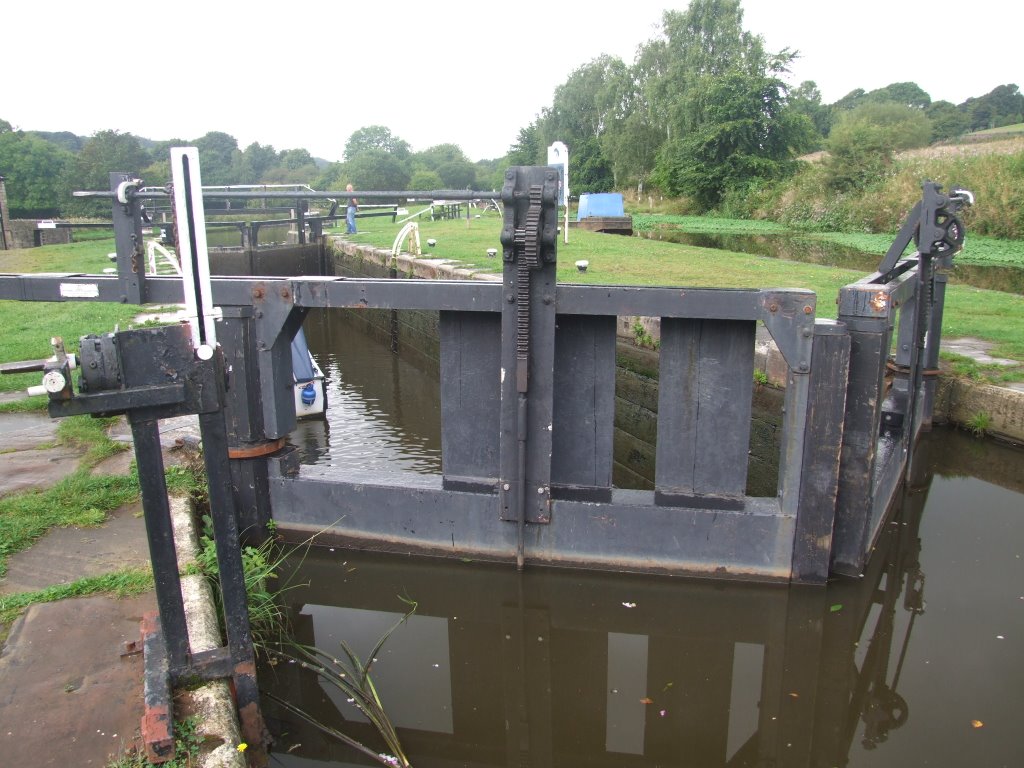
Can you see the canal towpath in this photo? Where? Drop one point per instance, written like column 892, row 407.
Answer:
column 71, row 689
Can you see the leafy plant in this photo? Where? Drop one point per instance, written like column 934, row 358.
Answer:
column 979, row 423
column 187, row 742
column 760, row 377
column 260, row 566
column 641, row 337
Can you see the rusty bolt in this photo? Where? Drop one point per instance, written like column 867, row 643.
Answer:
column 285, row 293
column 257, row 293
column 773, row 307
column 808, row 309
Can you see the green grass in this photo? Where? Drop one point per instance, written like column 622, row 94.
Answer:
column 123, row 583
column 710, row 224
column 29, row 326
column 187, row 745
column 983, row 251
column 35, row 404
column 90, row 434
column 80, row 499
column 991, row 315
column 1003, row 130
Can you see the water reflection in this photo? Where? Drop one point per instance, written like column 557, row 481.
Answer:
column 382, row 411
column 575, row 668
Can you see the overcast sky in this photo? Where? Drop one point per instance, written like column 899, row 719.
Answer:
column 309, row 74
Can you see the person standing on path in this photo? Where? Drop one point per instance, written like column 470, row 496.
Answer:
column 350, row 212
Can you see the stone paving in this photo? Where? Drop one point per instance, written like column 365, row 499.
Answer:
column 67, row 695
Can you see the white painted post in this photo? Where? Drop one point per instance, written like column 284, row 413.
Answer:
column 558, row 157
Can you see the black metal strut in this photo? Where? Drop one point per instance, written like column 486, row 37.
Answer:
column 528, row 238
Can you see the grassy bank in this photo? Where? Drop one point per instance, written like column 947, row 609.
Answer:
column 992, row 170
column 123, row 583
column 990, row 315
column 29, row 326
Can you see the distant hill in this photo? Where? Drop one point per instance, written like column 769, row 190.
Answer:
column 995, row 133
column 64, row 139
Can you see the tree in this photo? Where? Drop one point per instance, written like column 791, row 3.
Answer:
column 728, row 121
column 903, row 127
column 864, row 140
column 457, row 174
column 219, row 158
column 256, row 161
column 632, row 148
column 527, row 149
column 584, row 107
column 90, row 169
column 449, row 163
column 806, row 99
column 295, row 159
column 1003, row 105
column 907, row 94
column 376, row 137
column 375, row 169
column 33, row 172
column 748, row 133
column 436, row 156
column 63, row 139
column 425, row 179
column 948, row 120
column 702, row 43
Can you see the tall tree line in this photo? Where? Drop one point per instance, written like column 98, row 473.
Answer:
column 41, row 170
column 705, row 111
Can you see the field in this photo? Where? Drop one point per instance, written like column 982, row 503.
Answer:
column 990, row 315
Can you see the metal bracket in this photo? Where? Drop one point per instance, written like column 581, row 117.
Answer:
column 528, row 237
column 933, row 221
column 789, row 317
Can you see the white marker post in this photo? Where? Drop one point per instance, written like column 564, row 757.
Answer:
column 558, row 157
column 193, row 255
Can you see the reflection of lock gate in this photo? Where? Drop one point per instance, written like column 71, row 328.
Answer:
column 552, row 670
column 527, row 434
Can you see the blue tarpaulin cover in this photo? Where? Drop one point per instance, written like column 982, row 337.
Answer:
column 599, row 205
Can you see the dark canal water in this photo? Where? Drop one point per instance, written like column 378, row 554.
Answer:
column 918, row 663
column 814, row 251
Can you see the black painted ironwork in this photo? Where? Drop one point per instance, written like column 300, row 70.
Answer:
column 527, row 399
column 151, row 374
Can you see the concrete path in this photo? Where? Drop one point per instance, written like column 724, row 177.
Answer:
column 67, row 697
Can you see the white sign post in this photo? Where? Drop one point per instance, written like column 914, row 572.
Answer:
column 558, row 157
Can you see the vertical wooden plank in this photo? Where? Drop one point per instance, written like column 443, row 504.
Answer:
column 869, row 346
column 822, row 439
column 470, row 389
column 584, row 405
column 704, row 406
